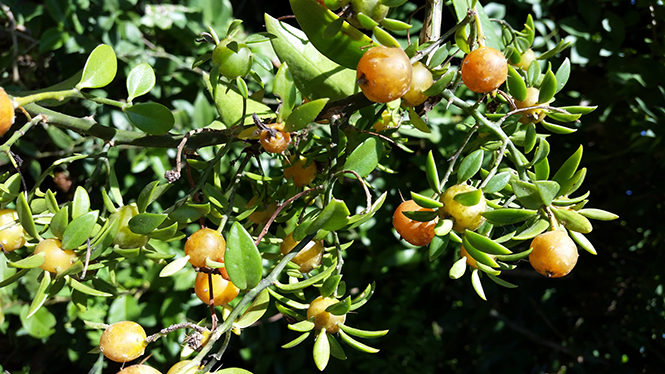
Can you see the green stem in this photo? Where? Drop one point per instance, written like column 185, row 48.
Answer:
column 18, row 134
column 234, row 183
column 52, row 95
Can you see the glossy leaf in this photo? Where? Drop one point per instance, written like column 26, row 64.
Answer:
column 498, row 182
column 542, row 151
column 41, row 325
column 308, row 282
column 579, row 109
column 144, row 223
column 567, row 170
column 333, row 217
column 285, row 89
column 425, row 201
column 73, row 283
column 557, row 129
column 356, row 344
column 231, row 105
column 29, row 262
column 438, row 246
column 530, row 137
column 321, row 352
column 547, row 190
column 421, row 215
column 150, row 193
column 41, row 295
column 365, row 157
column 286, row 301
column 507, row 216
column 583, row 242
column 174, row 267
column 533, row 230
column 547, row 88
column 164, row 233
column 458, row 269
column 443, row 227
column 79, row 230
column 418, row 122
column 363, row 333
column 432, row 173
column 25, row 216
column 562, row 74
column 364, row 297
column 336, row 349
column 304, row 114
column 365, row 21
column 533, row 73
column 384, row 38
column 542, row 168
column 395, row 25
column 242, row 258
column 485, row 244
column 152, row 118
column 516, row 84
column 598, row 214
column 477, row 255
column 358, row 219
column 330, row 285
column 469, row 198
column 572, row 184
column 470, row 166
column 302, row 326
column 60, row 221
column 573, row 220
column 100, row 68
column 440, row 84
column 140, row 80
column 296, row 341
column 501, row 282
column 190, row 212
column 81, row 202
column 527, row 194
column 255, row 311
column 477, row 285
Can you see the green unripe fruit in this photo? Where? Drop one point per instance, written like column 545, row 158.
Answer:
column 125, row 238
column 234, row 59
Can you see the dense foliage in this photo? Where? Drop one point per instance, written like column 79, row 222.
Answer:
column 606, row 315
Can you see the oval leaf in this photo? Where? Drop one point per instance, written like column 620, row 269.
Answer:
column 485, row 244
column 477, row 285
column 516, row 84
column 174, row 267
column 152, row 118
column 498, row 182
column 41, row 295
column 255, row 311
column 100, row 68
column 140, row 81
column 73, row 283
column 470, row 166
column 29, row 262
column 438, row 246
column 573, row 220
column 425, row 201
column 469, row 198
column 79, row 230
column 242, row 258
column 365, row 157
column 144, row 223
column 25, row 216
column 508, row 216
column 356, row 344
column 304, row 114
column 567, row 170
column 321, row 352
column 598, row 214
column 432, row 173
column 81, row 202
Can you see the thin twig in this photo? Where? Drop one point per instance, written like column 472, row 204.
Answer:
column 265, row 229
column 368, row 195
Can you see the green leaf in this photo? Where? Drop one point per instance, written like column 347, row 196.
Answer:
column 304, row 114
column 233, row 371
column 242, row 258
column 365, row 21
column 81, row 202
column 533, row 230
column 362, row 299
column 507, row 216
column 115, row 187
column 296, row 341
column 330, row 285
column 558, row 48
column 498, row 182
column 164, row 233
column 79, row 230
column 356, row 344
column 469, row 198
column 425, row 201
column 29, row 262
column 572, row 220
column 515, row 256
column 340, row 308
column 255, row 311
column 384, row 38
column 438, row 246
column 140, row 80
column 358, row 219
column 440, row 84
column 458, row 269
column 485, row 244
column 572, row 184
column 41, row 295
column 321, row 352
column 59, row 222
column 335, row 348
column 13, row 278
column 547, row 190
column 73, row 283
column 501, row 282
column 190, row 212
column 470, row 166
column 477, row 255
column 477, row 285
column 542, row 168
column 150, row 193
column 100, row 68
column 333, row 217
column 308, row 282
column 420, row 215
column 563, row 117
column 541, row 153
column 567, row 170
column 443, row 227
column 533, row 73
column 286, row 301
column 527, row 194
column 516, row 84
column 432, row 173
column 302, row 326
column 598, row 214
column 41, row 325
column 395, row 25
column 547, row 88
column 25, row 216
column 315, row 75
column 582, row 240
column 530, row 137
column 174, row 267
column 152, row 118
column 365, row 157
column 579, row 109
column 363, row 333
column 285, row 89
column 418, row 122
column 144, row 223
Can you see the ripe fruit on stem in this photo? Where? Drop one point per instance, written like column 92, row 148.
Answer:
column 484, row 70
column 139, row 369
column 6, row 112
column 527, row 58
column 56, row 260
column 415, row 232
column 466, row 217
column 205, row 243
column 123, row 341
column 384, row 73
column 125, row 238
column 554, row 254
column 302, row 175
column 11, row 238
column 420, row 81
column 531, row 115
column 223, row 290
column 323, row 319
column 308, row 257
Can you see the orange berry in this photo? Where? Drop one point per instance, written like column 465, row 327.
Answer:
column 6, row 112
column 56, row 260
column 414, row 232
column 123, row 341
column 554, row 254
column 323, row 319
column 205, row 243
column 223, row 290
column 384, row 73
column 308, row 257
column 484, row 70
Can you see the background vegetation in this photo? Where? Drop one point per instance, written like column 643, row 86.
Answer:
column 606, row 316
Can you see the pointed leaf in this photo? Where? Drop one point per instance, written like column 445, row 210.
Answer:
column 41, row 295
column 458, row 269
column 572, row 184
column 174, row 267
column 425, row 201
column 150, row 193
column 365, row 157
column 73, row 283
column 485, row 244
column 573, row 220
column 356, row 344
column 438, row 246
column 81, row 202
column 330, row 285
column 255, row 311
column 477, row 255
column 530, row 137
column 418, row 122
column 41, row 325
column 498, row 182
column 470, row 166
column 469, row 198
column 363, row 333
column 321, row 352
column 333, row 217
column 100, row 68
column 361, row 299
column 582, row 240
column 547, row 190
column 547, row 88
column 507, row 216
column 296, row 341
column 79, row 230
column 152, row 118
column 25, row 216
column 340, row 308
column 515, row 256
column 541, row 153
column 335, row 348
column 432, row 173
column 304, row 114
column 285, row 89
column 556, row 129
column 535, row 229
column 421, row 215
column 598, row 214
column 140, row 80
column 477, row 285
column 501, row 282
column 242, row 258
column 308, row 282
column 59, row 222
column 302, row 326
column 527, row 194
column 145, row 223
column 516, row 84
column 29, row 262
column 567, row 170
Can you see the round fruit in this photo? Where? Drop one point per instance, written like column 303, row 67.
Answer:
column 234, row 59
column 55, row 259
column 205, row 243
column 123, row 341
column 275, row 141
column 384, row 73
column 387, row 122
column 414, row 232
column 323, row 319
column 531, row 115
column 260, row 215
column 139, row 369
column 420, row 81
column 470, row 260
column 528, row 57
column 484, row 70
column 554, row 254
column 371, row 8
column 308, row 257
column 6, row 112
column 223, row 290
column 466, row 217
column 11, row 238
column 301, row 175
column 179, row 365
column 126, row 238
